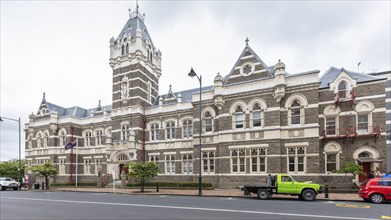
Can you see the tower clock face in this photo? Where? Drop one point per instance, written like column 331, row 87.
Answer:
column 247, row 69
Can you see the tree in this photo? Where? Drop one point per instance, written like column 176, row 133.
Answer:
column 45, row 170
column 142, row 172
column 352, row 168
column 10, row 169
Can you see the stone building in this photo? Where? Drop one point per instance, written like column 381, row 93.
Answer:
column 257, row 119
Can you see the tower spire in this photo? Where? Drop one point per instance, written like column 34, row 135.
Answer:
column 137, row 6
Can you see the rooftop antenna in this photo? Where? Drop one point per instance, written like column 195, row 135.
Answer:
column 358, row 67
column 137, row 6
column 129, row 13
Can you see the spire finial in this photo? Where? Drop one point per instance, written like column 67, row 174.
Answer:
column 279, row 60
column 247, row 40
column 130, row 16
column 99, row 103
column 44, row 95
column 137, row 6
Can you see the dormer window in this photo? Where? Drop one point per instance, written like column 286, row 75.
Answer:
column 342, row 90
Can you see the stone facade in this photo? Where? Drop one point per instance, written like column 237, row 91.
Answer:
column 256, row 120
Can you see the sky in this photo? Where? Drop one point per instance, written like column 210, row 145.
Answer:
column 62, row 47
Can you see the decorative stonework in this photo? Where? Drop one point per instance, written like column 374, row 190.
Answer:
column 296, row 133
column 256, row 135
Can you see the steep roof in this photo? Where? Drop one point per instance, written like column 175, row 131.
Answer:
column 74, row 111
column 332, row 73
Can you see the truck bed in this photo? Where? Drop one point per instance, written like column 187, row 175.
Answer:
column 254, row 189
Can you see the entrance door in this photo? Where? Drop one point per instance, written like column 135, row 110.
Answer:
column 121, row 167
column 366, row 169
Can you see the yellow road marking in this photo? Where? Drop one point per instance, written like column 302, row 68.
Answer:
column 353, row 206
column 385, row 217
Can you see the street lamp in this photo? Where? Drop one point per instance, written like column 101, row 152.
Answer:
column 19, row 167
column 192, row 74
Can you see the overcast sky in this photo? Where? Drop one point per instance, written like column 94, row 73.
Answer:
column 62, row 48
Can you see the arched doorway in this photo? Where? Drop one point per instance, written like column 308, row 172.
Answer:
column 122, row 160
column 368, row 159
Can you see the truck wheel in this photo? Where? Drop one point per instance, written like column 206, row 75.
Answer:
column 376, row 198
column 263, row 194
column 308, row 195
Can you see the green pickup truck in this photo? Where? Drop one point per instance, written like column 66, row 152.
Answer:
column 285, row 184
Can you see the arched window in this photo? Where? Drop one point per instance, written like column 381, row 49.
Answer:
column 124, row 132
column 208, row 122
column 257, row 115
column 127, row 48
column 332, row 152
column 87, row 139
column 123, row 50
column 296, row 159
column 122, row 157
column 99, row 136
column 63, row 138
column 342, row 89
column 45, row 139
column 295, row 112
column 365, row 155
column 187, row 129
column 170, row 130
column 239, row 117
column 154, row 132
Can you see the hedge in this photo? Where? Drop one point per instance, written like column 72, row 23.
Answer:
column 171, row 184
column 74, row 184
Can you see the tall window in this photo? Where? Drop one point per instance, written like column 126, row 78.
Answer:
column 122, row 157
column 45, row 139
column 61, row 166
column 239, row 117
column 331, row 162
column 62, row 139
column 154, row 132
column 295, row 112
column 238, row 160
column 99, row 135
column 170, row 164
column 187, row 164
column 208, row 161
column 124, row 132
column 187, row 129
column 342, row 90
column 127, row 48
column 98, row 165
column 208, row 122
column 87, row 139
column 257, row 115
column 39, row 140
column 87, row 166
column 170, row 130
column 296, row 159
column 123, row 50
column 330, row 125
column 362, row 123
column 258, row 160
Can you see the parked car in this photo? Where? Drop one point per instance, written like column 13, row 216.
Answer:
column 376, row 190
column 6, row 182
column 285, row 184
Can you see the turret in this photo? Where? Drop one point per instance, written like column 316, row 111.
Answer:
column 279, row 81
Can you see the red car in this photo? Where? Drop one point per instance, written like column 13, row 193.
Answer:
column 376, row 190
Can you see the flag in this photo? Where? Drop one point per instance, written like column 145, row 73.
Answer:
column 70, row 145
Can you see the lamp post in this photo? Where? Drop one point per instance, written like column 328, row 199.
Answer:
column 192, row 74
column 19, row 166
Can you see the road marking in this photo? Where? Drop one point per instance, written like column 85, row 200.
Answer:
column 189, row 208
column 230, row 198
column 344, row 205
column 385, row 217
column 162, row 196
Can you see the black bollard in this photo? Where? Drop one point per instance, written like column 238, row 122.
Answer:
column 157, row 187
column 326, row 190
column 43, row 185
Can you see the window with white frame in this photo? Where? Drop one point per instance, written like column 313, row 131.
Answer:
column 39, row 141
column 331, row 162
column 154, row 159
column 154, row 132
column 208, row 122
column 87, row 139
column 63, row 139
column 257, row 115
column 170, row 130
column 362, row 123
column 295, row 112
column 258, row 160
column 187, row 129
column 122, row 157
column 98, row 165
column 127, row 48
column 99, row 137
column 187, row 164
column 170, row 164
column 208, row 161
column 238, row 160
column 87, row 166
column 61, row 166
column 296, row 159
column 330, row 125
column 342, row 89
column 332, row 151
column 124, row 132
column 239, row 117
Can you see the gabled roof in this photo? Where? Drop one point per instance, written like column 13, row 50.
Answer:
column 247, row 49
column 186, row 94
column 332, row 73
column 75, row 111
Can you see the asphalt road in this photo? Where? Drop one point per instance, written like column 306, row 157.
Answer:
column 76, row 205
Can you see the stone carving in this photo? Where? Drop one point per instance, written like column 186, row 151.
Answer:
column 124, row 88
column 296, row 133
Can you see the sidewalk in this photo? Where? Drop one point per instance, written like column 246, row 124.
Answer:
column 194, row 192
